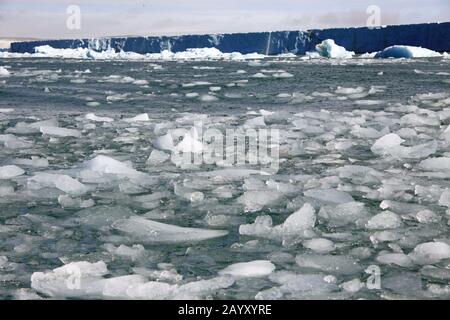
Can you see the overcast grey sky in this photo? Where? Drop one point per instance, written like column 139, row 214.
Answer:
column 47, row 18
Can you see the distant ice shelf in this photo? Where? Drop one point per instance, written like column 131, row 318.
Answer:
column 434, row 36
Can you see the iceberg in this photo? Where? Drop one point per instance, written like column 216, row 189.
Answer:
column 407, row 52
column 329, row 49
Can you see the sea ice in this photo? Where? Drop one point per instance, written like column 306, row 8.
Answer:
column 319, row 245
column 385, row 144
column 148, row 231
column 384, row 220
column 436, row 164
column 399, row 259
column 430, row 253
column 335, row 264
column 93, row 117
column 106, row 165
column 344, row 214
column 60, row 132
column 329, row 195
column 8, row 172
column 138, row 118
column 257, row 268
column 59, row 181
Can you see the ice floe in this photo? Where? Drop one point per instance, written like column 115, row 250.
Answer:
column 257, row 268
column 148, row 231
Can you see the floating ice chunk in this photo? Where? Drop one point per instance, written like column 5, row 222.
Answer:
column 319, row 245
column 329, row 49
column 257, row 268
column 208, row 98
column 149, row 231
column 350, row 91
column 255, row 122
column 164, row 142
column 436, row 164
column 215, row 88
column 75, row 279
column 138, row 118
column 188, row 194
column 300, row 223
column 368, row 133
column 291, row 283
column 444, row 200
column 329, row 195
column 427, row 216
column 93, row 117
column 281, row 75
column 384, row 220
column 60, row 132
column 92, row 104
column 260, row 75
column 342, row 265
column 436, row 272
column 102, row 217
column 399, row 259
column 26, row 128
column 430, row 253
column 255, row 200
column 157, row 157
column 415, row 120
column 8, row 172
column 401, row 207
column 140, row 82
column 305, row 218
column 67, row 202
column 191, row 290
column 352, row 286
column 407, row 52
column 368, row 102
column 385, row 144
column 4, row 72
column 345, row 213
column 35, row 161
column 190, row 143
column 12, row 142
column 135, row 252
column 192, row 95
column 359, row 174
column 59, row 181
column 261, row 227
column 107, row 165
column 117, row 287
column 6, row 110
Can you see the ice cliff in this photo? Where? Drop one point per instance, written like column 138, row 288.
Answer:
column 434, row 36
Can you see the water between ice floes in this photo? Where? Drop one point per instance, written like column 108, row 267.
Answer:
column 92, row 206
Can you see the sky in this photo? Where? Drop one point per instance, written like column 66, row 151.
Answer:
column 48, row 19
